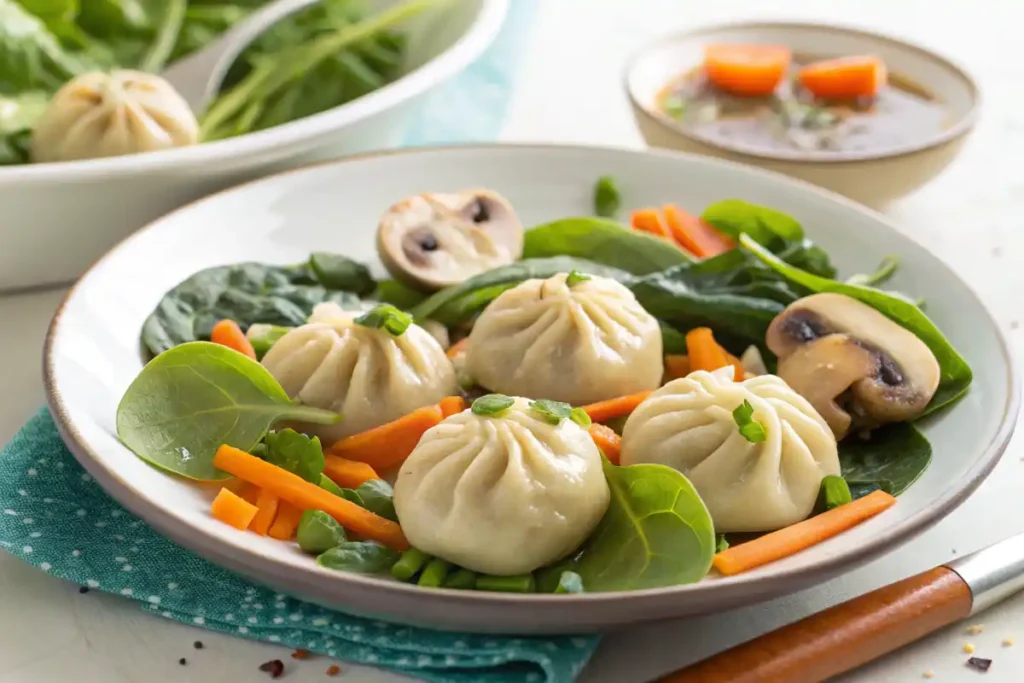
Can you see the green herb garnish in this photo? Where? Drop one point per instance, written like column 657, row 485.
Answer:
column 387, row 317
column 721, row 543
column 552, row 412
column 574, row 278
column 580, row 417
column 492, row 405
column 885, row 270
column 606, row 197
column 750, row 429
column 674, row 106
column 834, row 492
column 295, row 452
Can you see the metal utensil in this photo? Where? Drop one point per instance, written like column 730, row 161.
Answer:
column 860, row 630
column 198, row 76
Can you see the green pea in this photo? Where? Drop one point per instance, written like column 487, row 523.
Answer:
column 318, row 531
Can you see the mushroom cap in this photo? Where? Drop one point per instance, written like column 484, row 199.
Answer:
column 875, row 368
column 435, row 240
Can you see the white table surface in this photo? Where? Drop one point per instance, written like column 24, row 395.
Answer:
column 570, row 92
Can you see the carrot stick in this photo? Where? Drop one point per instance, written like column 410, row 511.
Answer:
column 250, row 493
column 704, row 351
column 348, row 474
column 607, row 440
column 792, row 539
column 746, row 70
column 232, row 509
column 306, row 496
column 228, row 333
column 846, row 78
column 286, row 522
column 458, row 348
column 452, row 405
column 676, row 366
column 695, row 235
column 390, row 444
column 615, row 407
column 268, row 504
column 649, row 220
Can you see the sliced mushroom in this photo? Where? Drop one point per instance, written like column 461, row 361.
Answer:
column 857, row 367
column 431, row 241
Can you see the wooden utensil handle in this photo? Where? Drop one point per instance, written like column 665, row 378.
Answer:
column 842, row 637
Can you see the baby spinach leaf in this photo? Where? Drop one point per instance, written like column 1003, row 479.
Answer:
column 295, row 452
column 656, row 532
column 602, row 241
column 376, row 495
column 190, row 400
column 956, row 374
column 455, row 305
column 31, row 57
column 327, row 484
column 891, row 459
column 318, row 532
column 363, row 557
column 251, row 293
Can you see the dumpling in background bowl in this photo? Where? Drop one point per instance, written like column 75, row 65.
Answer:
column 572, row 337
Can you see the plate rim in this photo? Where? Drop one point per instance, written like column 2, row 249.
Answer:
column 259, row 566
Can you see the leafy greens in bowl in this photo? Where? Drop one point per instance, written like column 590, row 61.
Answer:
column 640, row 527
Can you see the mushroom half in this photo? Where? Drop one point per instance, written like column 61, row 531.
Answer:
column 435, row 240
column 857, row 367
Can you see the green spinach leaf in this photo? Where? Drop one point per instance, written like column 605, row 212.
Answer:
column 891, row 459
column 31, row 57
column 458, row 304
column 956, row 375
column 190, row 400
column 376, row 495
column 295, row 452
column 251, row 293
column 318, row 532
column 603, row 241
column 363, row 557
column 657, row 532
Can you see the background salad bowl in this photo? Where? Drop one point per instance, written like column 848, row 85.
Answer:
column 92, row 355
column 87, row 206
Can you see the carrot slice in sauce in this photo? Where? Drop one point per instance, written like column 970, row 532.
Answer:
column 846, row 78
column 747, row 70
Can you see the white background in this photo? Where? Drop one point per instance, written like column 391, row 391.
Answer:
column 570, row 91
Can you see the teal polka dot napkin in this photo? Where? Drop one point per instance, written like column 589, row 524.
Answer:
column 54, row 516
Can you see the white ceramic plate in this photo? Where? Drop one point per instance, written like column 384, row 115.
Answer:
column 92, row 354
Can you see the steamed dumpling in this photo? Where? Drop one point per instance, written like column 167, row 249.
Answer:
column 688, row 424
column 501, row 495
column 367, row 374
column 104, row 115
column 579, row 344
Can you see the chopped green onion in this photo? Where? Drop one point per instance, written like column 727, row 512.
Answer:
column 434, row 574
column 570, row 582
column 524, row 583
column 492, row 405
column 463, row 579
column 388, row 317
column 580, row 417
column 606, row 197
column 674, row 106
column 721, row 543
column 409, row 564
column 574, row 278
column 552, row 412
column 834, row 492
column 263, row 337
column 884, row 271
column 750, row 429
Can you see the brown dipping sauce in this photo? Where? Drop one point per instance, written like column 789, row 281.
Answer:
column 792, row 121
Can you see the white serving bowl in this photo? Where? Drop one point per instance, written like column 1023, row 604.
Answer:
column 93, row 353
column 56, row 219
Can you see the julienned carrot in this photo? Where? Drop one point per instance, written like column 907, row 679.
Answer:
column 676, row 366
column 615, row 407
column 452, row 405
column 286, row 522
column 649, row 220
column 793, row 539
column 306, row 496
column 846, row 78
column 228, row 333
column 233, row 510
column 695, row 235
column 748, row 70
column 267, row 504
column 706, row 354
column 390, row 444
column 458, row 348
column 348, row 474
column 607, row 440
